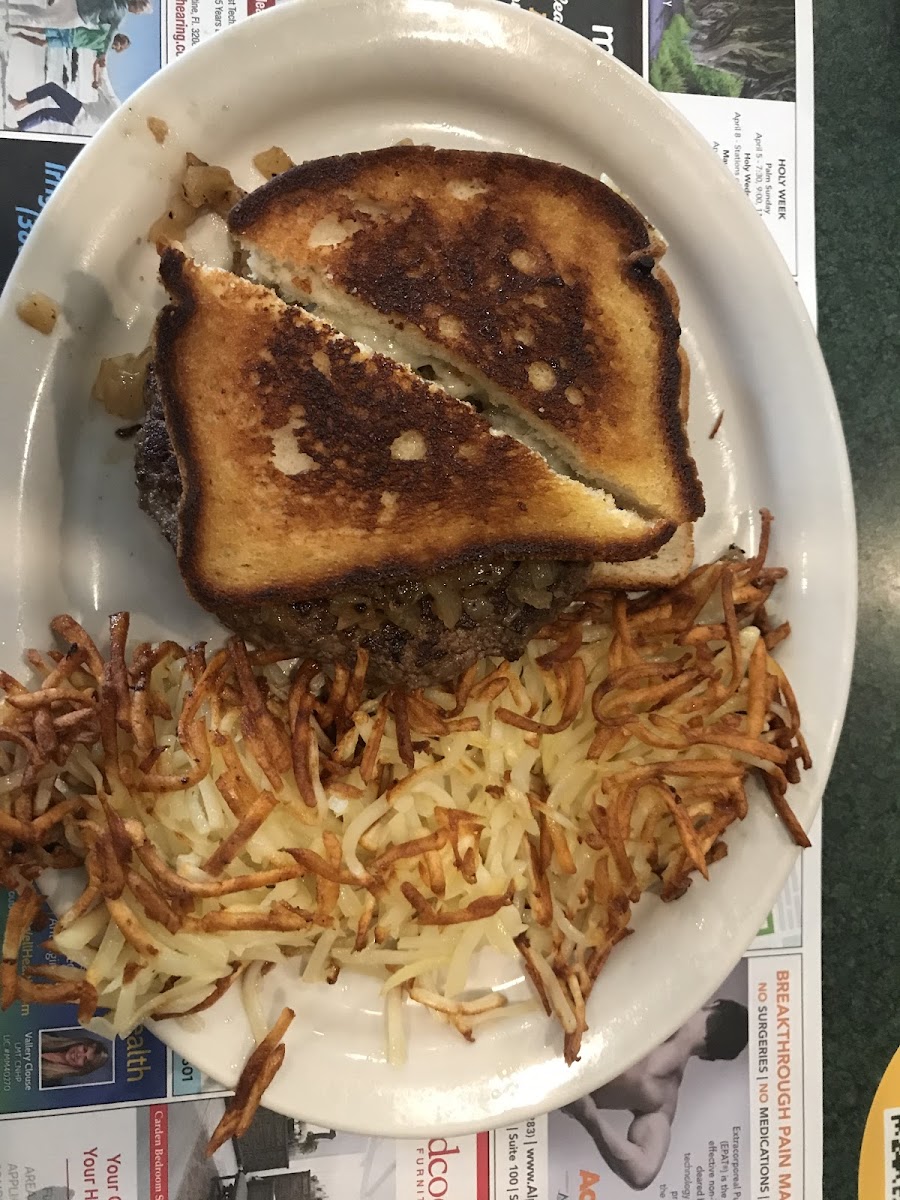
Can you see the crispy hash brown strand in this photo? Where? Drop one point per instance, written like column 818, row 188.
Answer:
column 259, row 1071
column 232, row 811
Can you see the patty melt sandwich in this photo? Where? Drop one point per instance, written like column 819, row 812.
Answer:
column 452, row 397
column 321, row 497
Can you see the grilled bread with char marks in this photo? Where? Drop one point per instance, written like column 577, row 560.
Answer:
column 310, row 463
column 529, row 284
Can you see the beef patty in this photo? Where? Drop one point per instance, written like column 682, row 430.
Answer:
column 417, row 631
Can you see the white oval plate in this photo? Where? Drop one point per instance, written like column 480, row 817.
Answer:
column 325, row 78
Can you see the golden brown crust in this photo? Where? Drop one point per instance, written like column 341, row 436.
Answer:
column 308, row 464
column 542, row 279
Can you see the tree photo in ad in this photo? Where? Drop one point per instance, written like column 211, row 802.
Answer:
column 743, row 48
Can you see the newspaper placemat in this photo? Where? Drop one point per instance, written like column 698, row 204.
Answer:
column 729, row 1108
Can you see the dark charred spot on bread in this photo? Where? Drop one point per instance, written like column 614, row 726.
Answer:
column 642, row 264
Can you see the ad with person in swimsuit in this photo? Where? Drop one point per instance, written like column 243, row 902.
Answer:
column 675, row 1124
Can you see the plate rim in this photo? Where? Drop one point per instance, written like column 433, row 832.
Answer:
column 635, row 92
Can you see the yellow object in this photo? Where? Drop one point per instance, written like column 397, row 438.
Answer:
column 879, row 1159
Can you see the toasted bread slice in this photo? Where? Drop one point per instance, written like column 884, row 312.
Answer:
column 666, row 567
column 524, row 281
column 309, row 462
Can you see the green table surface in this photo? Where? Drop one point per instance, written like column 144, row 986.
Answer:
column 858, row 231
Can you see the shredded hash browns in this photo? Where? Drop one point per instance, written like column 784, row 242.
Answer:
column 231, row 811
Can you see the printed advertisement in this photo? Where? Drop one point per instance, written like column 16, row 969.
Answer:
column 32, row 167
column 676, row 1123
column 48, row 1061
column 189, row 22
column 776, row 1077
column 67, row 65
column 277, row 1159
column 755, row 140
column 75, row 1157
column 617, row 26
column 729, row 66
column 784, row 924
column 714, row 1113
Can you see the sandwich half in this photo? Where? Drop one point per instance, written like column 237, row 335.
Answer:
column 327, row 498
column 529, row 287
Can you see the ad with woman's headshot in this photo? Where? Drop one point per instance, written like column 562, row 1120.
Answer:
column 72, row 1057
